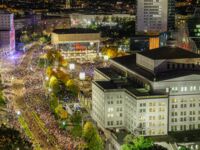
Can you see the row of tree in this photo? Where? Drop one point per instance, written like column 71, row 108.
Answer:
column 27, row 37
column 140, row 143
column 92, row 139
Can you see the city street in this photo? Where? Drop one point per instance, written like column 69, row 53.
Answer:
column 27, row 96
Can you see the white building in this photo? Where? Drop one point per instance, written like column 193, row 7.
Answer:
column 152, row 16
column 7, row 34
column 149, row 93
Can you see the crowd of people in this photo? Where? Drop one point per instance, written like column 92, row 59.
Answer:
column 36, row 98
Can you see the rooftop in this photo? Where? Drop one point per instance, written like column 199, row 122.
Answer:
column 169, row 53
column 129, row 62
column 75, row 31
column 129, row 86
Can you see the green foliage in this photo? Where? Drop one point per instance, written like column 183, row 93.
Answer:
column 183, row 148
column 76, row 131
column 25, row 38
column 60, row 112
column 91, row 137
column 53, row 102
column 76, row 118
column 43, row 39
column 54, row 84
column 129, row 138
column 96, row 143
column 138, row 143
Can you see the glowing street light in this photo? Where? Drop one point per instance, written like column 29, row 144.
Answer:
column 46, row 78
column 91, row 43
column 71, row 66
column 82, row 75
column 50, row 90
column 64, row 123
column 105, row 57
column 18, row 112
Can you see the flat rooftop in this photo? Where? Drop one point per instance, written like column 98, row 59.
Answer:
column 109, row 72
column 75, row 31
column 169, row 53
column 129, row 62
column 128, row 86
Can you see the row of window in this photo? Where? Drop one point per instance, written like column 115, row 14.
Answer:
column 111, row 123
column 184, row 113
column 118, row 109
column 112, row 115
column 160, row 109
column 185, row 89
column 174, row 100
column 183, row 105
column 117, row 102
column 185, row 119
column 184, row 127
column 152, row 104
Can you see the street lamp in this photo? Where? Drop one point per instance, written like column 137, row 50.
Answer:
column 82, row 75
column 105, row 57
column 71, row 66
column 50, row 90
column 18, row 112
column 46, row 78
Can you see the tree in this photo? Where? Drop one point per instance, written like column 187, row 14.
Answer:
column 53, row 102
column 54, row 85
column 76, row 118
column 76, row 131
column 138, row 143
column 96, row 143
column 88, row 131
column 128, row 138
column 60, row 112
column 91, row 137
column 49, row 71
column 25, row 38
column 72, row 87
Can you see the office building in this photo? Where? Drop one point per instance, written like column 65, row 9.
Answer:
column 155, row 16
column 149, row 93
column 194, row 28
column 7, row 34
column 171, row 15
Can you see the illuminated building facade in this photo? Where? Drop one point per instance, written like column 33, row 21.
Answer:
column 194, row 28
column 7, row 34
column 149, row 93
column 77, row 43
column 154, row 42
column 155, row 16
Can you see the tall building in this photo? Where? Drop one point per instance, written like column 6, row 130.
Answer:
column 171, row 15
column 155, row 16
column 7, row 34
column 194, row 28
column 149, row 93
